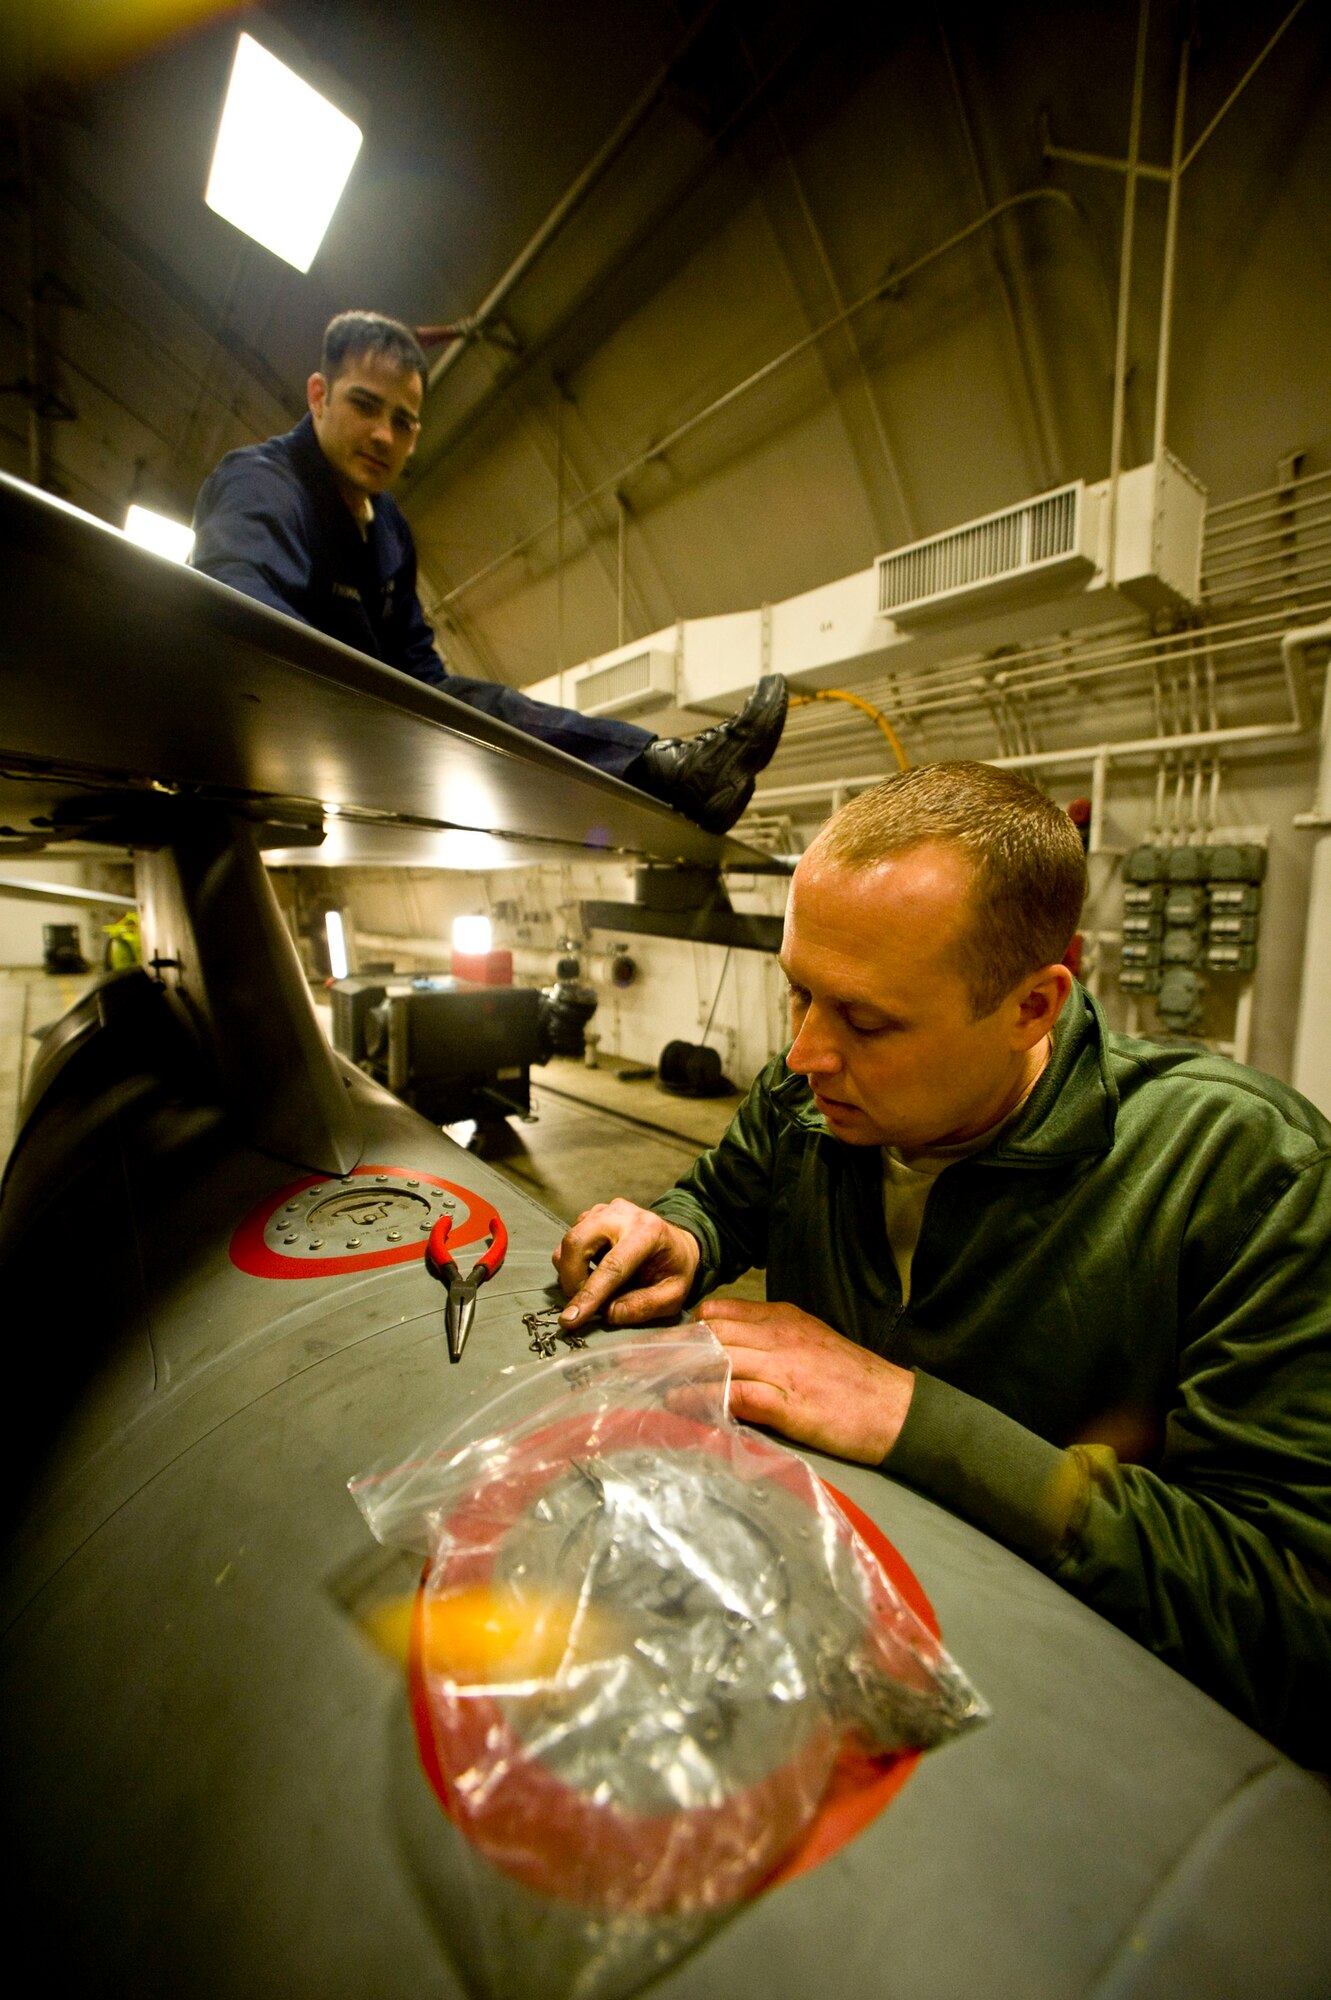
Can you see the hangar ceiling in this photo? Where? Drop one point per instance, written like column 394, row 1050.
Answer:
column 750, row 290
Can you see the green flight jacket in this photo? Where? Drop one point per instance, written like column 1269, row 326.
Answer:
column 1120, row 1327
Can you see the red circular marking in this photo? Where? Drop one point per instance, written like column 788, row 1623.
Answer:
column 861, row 1784
column 591, row 1853
column 250, row 1252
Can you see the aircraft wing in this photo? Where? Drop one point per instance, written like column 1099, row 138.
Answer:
column 125, row 677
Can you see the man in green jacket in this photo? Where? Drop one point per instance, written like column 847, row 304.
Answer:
column 1075, row 1286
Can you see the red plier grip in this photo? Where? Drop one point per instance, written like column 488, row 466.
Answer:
column 487, row 1263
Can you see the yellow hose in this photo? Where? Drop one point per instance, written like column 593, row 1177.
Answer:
column 857, row 701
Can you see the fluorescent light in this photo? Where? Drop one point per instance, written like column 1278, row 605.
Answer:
column 282, row 158
column 338, row 963
column 159, row 533
column 472, row 936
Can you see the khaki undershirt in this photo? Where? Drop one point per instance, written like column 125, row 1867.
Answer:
column 908, row 1181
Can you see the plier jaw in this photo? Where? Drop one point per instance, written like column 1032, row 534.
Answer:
column 460, row 1309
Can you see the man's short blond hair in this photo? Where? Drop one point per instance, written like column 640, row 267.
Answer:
column 1028, row 867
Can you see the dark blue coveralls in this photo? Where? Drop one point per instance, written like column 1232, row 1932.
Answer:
column 270, row 521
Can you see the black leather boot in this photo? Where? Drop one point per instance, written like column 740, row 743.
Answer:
column 709, row 778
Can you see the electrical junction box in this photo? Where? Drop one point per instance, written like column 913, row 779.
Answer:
column 1158, row 535
column 1185, row 908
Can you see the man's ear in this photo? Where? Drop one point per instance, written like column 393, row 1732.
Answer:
column 1040, row 1000
column 316, row 394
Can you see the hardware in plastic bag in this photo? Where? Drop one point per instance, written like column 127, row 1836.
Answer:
column 644, row 1636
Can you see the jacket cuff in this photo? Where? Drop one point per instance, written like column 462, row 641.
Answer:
column 677, row 1207
column 988, row 1468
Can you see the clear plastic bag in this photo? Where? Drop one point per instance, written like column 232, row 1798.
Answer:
column 644, row 1636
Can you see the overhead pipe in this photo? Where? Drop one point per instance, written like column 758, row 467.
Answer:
column 1035, row 674
column 889, row 457
column 1294, row 649
column 1171, row 255
column 1290, row 494
column 1076, row 156
column 1125, row 290
column 1081, row 755
column 1016, row 300
column 572, row 199
column 643, row 234
column 1241, row 85
column 957, row 686
column 892, row 282
column 1137, row 169
column 1079, row 157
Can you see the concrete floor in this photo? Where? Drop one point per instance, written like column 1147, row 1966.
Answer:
column 595, row 1136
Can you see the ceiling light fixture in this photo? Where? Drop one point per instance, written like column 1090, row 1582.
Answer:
column 282, row 157
column 159, row 533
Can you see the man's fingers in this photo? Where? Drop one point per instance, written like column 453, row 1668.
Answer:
column 735, row 1335
column 756, row 1402
column 647, row 1302
column 750, row 1359
column 748, row 1311
column 581, row 1245
column 598, row 1286
column 623, row 1240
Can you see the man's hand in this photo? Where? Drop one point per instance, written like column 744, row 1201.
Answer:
column 624, row 1242
column 794, row 1374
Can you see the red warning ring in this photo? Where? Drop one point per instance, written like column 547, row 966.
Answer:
column 251, row 1253
column 585, row 1860
column 861, row 1784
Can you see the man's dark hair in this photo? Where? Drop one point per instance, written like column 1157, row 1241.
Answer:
column 1028, row 868
column 352, row 334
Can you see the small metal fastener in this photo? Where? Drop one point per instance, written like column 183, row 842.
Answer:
column 316, row 1243
column 353, row 1243
column 393, row 1235
column 289, row 1239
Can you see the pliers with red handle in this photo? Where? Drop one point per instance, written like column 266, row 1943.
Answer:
column 461, row 1307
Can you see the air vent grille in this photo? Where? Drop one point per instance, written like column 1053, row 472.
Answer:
column 1038, row 535
column 642, row 680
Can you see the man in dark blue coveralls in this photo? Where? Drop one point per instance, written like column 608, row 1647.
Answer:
column 305, row 523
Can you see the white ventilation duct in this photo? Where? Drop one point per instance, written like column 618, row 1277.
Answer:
column 627, row 683
column 1056, row 544
column 1011, row 578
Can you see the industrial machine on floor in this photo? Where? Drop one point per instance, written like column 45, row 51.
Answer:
column 449, row 1049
